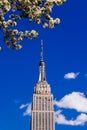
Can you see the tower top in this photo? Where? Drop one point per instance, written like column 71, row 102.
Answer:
column 42, row 87
column 41, row 50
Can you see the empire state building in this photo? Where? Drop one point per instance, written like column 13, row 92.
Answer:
column 42, row 112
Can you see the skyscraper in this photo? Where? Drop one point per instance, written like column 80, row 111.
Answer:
column 42, row 117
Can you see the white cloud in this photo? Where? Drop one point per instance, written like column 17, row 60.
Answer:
column 28, row 109
column 75, row 100
column 71, row 75
column 61, row 119
column 23, row 106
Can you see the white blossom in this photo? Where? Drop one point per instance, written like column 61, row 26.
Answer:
column 38, row 11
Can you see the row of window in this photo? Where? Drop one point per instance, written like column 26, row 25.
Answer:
column 43, row 106
column 43, row 97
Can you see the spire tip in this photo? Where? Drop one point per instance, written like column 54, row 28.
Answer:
column 41, row 50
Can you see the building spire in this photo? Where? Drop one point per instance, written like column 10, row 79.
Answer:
column 41, row 50
column 42, row 75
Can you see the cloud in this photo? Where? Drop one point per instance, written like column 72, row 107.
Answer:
column 61, row 119
column 75, row 100
column 28, row 109
column 71, row 75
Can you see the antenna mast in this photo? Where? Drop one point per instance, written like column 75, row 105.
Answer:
column 41, row 50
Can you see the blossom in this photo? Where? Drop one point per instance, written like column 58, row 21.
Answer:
column 38, row 11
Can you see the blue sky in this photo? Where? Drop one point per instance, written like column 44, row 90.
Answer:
column 65, row 55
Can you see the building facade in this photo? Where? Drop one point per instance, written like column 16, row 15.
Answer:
column 42, row 112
